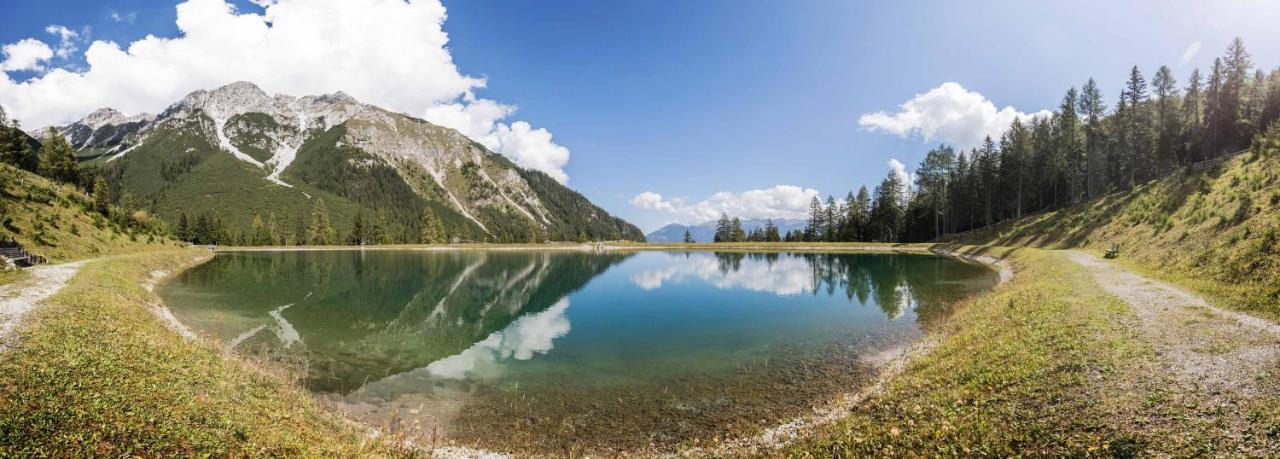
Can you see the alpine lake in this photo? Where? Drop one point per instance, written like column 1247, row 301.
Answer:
column 566, row 351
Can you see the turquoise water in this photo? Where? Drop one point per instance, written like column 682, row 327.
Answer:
column 547, row 350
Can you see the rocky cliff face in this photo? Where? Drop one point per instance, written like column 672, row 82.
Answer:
column 357, row 157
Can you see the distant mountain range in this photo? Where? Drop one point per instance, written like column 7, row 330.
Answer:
column 236, row 152
column 706, row 232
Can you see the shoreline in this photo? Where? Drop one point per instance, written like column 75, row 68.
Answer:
column 890, row 362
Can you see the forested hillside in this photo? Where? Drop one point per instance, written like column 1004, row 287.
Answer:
column 1087, row 149
column 1216, row 229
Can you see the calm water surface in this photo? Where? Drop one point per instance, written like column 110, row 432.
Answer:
column 549, row 350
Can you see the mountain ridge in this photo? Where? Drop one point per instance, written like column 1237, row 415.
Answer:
column 706, row 231
column 356, row 157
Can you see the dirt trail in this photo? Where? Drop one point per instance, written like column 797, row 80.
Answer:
column 20, row 297
column 1205, row 348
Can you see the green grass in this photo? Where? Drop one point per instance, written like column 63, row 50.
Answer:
column 1012, row 376
column 1216, row 232
column 94, row 373
column 1046, row 365
column 56, row 221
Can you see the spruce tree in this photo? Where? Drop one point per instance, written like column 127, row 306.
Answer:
column 101, row 196
column 771, row 231
column 57, row 160
column 736, row 234
column 724, row 232
column 320, row 231
column 1168, row 119
column 688, row 238
column 1091, row 108
column 432, row 228
column 813, row 228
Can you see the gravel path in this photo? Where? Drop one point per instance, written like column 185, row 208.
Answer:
column 1206, row 348
column 18, row 298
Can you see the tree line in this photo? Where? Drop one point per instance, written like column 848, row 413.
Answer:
column 1083, row 150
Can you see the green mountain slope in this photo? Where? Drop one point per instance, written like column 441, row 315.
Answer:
column 235, row 154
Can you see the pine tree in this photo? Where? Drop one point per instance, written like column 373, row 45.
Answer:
column 432, row 228
column 831, row 220
column 14, row 149
column 1092, row 109
column 359, row 236
column 688, row 238
column 320, row 232
column 736, row 234
column 1071, row 150
column 887, row 213
column 1192, row 120
column 771, row 231
column 260, row 235
column 101, row 196
column 724, row 232
column 813, row 228
column 862, row 224
column 378, row 230
column 184, row 228
column 1168, row 119
column 57, row 160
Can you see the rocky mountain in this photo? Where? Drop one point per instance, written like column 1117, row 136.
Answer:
column 235, row 153
column 706, row 231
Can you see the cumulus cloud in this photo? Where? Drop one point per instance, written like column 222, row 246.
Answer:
column 68, row 40
column 1189, row 53
column 390, row 53
column 900, row 170
column 949, row 113
column 651, row 201
column 782, row 201
column 27, row 54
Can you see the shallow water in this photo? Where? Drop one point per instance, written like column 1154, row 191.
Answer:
column 556, row 351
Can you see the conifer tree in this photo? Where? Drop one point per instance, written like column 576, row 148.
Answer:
column 57, row 160
column 724, row 232
column 320, row 231
column 771, row 231
column 688, row 238
column 101, row 196
column 432, row 228
column 813, row 228
column 736, row 234
column 1168, row 118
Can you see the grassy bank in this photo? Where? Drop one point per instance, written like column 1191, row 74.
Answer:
column 1215, row 231
column 59, row 221
column 1047, row 365
column 96, row 374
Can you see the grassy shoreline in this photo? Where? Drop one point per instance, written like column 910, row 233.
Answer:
column 1047, row 364
column 95, row 373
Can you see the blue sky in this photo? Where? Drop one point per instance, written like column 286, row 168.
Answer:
column 689, row 99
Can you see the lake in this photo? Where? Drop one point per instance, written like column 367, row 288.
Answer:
column 559, row 350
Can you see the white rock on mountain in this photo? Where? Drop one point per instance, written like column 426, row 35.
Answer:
column 399, row 140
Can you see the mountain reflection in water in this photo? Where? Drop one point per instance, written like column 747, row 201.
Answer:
column 546, row 349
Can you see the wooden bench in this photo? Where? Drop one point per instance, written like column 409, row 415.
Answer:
column 1114, row 251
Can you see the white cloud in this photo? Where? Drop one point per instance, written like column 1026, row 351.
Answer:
column 900, row 170
column 390, row 53
column 949, row 113
column 124, row 17
column 782, row 201
column 26, row 54
column 68, row 40
column 1189, row 53
column 651, row 201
